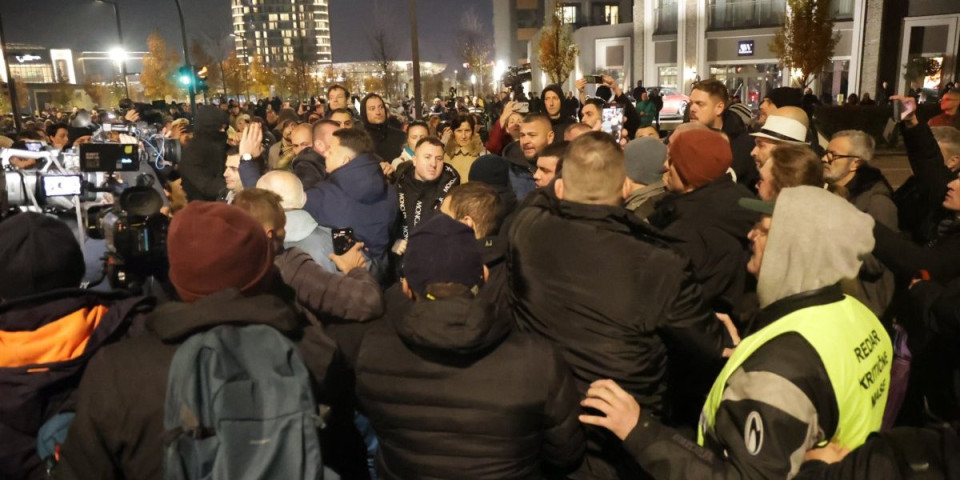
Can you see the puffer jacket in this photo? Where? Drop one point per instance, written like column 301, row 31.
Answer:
column 452, row 392
column 47, row 341
column 357, row 196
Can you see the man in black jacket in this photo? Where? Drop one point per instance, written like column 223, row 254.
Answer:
column 708, row 106
column 49, row 329
column 604, row 288
column 221, row 264
column 701, row 211
column 422, row 185
column 451, row 390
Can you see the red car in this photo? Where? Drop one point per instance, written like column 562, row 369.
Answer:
column 674, row 103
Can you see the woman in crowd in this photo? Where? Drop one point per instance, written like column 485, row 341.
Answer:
column 464, row 145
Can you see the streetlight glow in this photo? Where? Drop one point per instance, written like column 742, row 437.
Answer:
column 118, row 54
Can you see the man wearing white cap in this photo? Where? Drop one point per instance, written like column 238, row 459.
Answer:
column 782, row 127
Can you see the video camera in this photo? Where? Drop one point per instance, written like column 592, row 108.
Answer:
column 515, row 77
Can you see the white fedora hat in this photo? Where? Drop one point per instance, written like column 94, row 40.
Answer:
column 783, row 129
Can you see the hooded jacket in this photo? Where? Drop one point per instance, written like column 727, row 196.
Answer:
column 607, row 291
column 118, row 430
column 387, row 140
column 47, row 341
column 780, row 401
column 520, row 170
column 205, row 156
column 566, row 117
column 871, row 194
column 452, row 392
column 310, row 167
column 712, row 231
column 357, row 196
column 420, row 201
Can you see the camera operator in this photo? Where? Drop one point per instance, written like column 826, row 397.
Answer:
column 49, row 328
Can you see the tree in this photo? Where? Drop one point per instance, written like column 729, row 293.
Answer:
column 201, row 58
column 382, row 47
column 474, row 46
column 261, row 78
column 806, row 41
column 63, row 93
column 234, row 74
column 159, row 68
column 558, row 53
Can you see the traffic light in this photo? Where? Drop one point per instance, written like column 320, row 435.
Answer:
column 201, row 79
column 185, row 76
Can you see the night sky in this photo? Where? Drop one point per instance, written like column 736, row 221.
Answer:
column 86, row 25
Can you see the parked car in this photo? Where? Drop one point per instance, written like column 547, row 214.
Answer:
column 674, row 103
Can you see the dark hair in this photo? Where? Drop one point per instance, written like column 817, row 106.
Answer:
column 52, row 129
column 596, row 102
column 536, row 117
column 233, row 151
column 429, row 140
column 795, row 165
column 363, row 106
column 715, row 88
column 555, row 149
column 346, row 93
column 418, row 123
column 480, row 202
column 456, row 122
column 358, row 141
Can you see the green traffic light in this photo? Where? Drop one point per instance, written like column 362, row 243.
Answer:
column 185, row 79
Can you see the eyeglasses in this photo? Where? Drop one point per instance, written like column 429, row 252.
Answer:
column 833, row 157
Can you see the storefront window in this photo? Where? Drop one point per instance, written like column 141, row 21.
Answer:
column 668, row 77
column 750, row 82
column 734, row 14
column 833, row 82
column 666, row 16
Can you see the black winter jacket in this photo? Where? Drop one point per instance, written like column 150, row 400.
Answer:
column 387, row 140
column 452, row 392
column 712, row 231
column 41, row 367
column 919, row 200
column 420, row 201
column 117, row 432
column 604, row 288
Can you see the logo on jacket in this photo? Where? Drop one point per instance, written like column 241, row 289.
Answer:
column 753, row 433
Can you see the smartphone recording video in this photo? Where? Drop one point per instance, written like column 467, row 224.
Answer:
column 613, row 121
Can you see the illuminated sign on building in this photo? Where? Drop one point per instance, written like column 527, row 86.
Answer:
column 745, row 48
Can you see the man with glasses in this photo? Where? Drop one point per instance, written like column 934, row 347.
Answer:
column 847, row 171
column 949, row 103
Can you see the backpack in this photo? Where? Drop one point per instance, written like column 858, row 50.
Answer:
column 239, row 405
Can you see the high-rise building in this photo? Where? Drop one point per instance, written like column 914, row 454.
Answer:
column 278, row 32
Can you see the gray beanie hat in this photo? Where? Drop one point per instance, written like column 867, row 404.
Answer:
column 644, row 159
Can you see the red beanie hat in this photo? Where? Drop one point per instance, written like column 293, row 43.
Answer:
column 700, row 156
column 215, row 246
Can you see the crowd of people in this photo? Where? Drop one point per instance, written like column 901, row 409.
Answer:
column 365, row 295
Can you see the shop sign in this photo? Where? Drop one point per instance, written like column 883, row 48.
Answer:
column 745, row 48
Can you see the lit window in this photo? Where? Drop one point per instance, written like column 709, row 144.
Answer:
column 611, row 14
column 568, row 14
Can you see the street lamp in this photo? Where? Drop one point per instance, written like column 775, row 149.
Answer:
column 123, row 62
column 186, row 59
column 473, row 84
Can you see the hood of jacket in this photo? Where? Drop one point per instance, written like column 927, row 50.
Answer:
column 310, row 167
column 460, row 325
column 300, row 224
column 816, row 239
column 868, row 179
column 174, row 321
column 714, row 205
column 361, row 179
column 733, row 125
column 211, row 119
